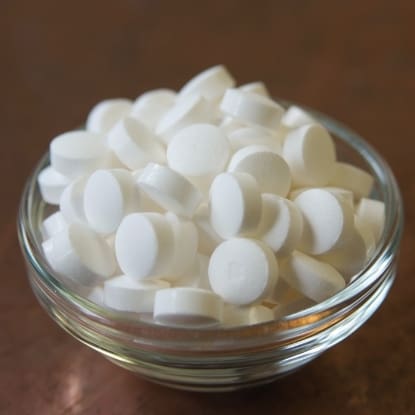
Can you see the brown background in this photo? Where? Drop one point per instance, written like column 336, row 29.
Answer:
column 354, row 60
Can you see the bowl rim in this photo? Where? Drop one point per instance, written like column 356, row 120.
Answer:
column 309, row 317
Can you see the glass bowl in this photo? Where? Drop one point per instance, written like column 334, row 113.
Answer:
column 231, row 358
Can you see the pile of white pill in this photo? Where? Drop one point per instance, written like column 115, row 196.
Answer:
column 213, row 205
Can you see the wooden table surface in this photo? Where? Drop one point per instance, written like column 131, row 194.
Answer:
column 353, row 60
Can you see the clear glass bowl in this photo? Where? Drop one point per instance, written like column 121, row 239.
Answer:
column 223, row 359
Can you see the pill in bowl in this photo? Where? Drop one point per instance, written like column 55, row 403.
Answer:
column 212, row 238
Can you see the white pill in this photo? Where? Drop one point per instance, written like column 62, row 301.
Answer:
column 246, row 136
column 296, row 117
column 210, row 84
column 186, row 306
column 241, row 316
column 185, row 243
column 80, row 255
column 96, row 295
column 270, row 170
column 349, row 258
column 208, row 238
column 251, row 109
column 365, row 230
column 281, row 224
column 106, row 114
column 125, row 294
column 346, row 195
column 372, row 212
column 108, row 196
column 315, row 279
column 328, row 221
column 134, row 144
column 169, row 189
column 258, row 88
column 353, row 178
column 198, row 150
column 310, row 153
column 51, row 185
column 71, row 203
column 149, row 107
column 144, row 245
column 53, row 224
column 189, row 110
column 76, row 153
column 243, row 271
column 235, row 204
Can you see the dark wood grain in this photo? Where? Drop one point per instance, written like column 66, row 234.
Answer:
column 353, row 60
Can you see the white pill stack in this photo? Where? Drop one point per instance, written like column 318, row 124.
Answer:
column 213, row 206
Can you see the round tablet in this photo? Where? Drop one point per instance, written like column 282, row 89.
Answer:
column 134, row 144
column 235, row 204
column 315, row 279
column 310, row 153
column 80, row 254
column 125, row 294
column 270, row 170
column 257, row 87
column 169, row 189
column 296, row 117
column 242, row 271
column 328, row 220
column 281, row 224
column 198, row 150
column 210, row 84
column 77, row 152
column 53, row 224
column 251, row 108
column 105, row 114
column 372, row 212
column 108, row 196
column 353, row 178
column 188, row 307
column 71, row 203
column 149, row 107
column 51, row 185
column 349, row 258
column 144, row 245
column 189, row 110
